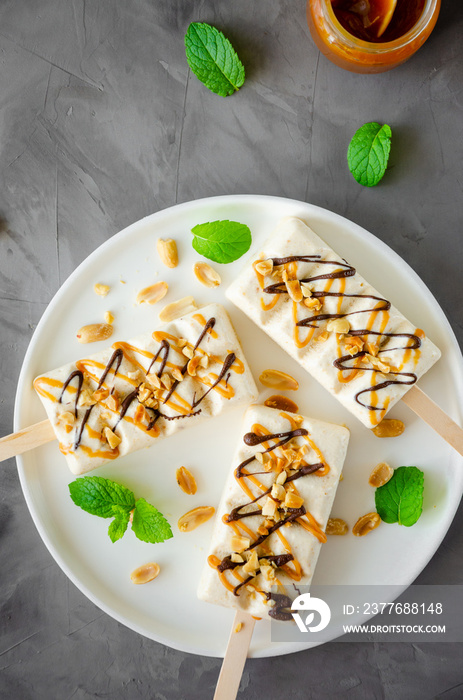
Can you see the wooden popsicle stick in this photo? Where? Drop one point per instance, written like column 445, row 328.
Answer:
column 427, row 410
column 235, row 657
column 26, row 439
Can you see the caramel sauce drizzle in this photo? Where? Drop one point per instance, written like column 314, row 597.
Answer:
column 271, row 443
column 348, row 366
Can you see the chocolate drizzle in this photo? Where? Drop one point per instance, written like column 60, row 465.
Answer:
column 381, row 304
column 78, row 374
column 282, row 608
column 82, row 426
column 164, row 351
column 253, row 439
column 115, row 359
column 229, row 360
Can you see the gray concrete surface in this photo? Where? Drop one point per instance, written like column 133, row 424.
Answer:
column 101, row 123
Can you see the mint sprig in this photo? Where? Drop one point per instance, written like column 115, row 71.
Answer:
column 400, row 500
column 368, row 153
column 118, row 526
column 98, row 496
column 221, row 241
column 108, row 499
column 213, row 59
column 149, row 525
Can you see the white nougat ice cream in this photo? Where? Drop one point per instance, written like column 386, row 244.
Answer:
column 271, row 519
column 134, row 393
column 326, row 316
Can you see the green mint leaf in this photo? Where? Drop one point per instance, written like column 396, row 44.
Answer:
column 149, row 525
column 368, row 153
column 401, row 499
column 118, row 526
column 97, row 496
column 213, row 59
column 221, row 241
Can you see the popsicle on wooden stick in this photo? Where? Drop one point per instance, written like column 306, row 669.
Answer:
column 274, row 509
column 134, row 393
column 327, row 317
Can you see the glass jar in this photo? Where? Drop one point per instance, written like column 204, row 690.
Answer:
column 358, row 56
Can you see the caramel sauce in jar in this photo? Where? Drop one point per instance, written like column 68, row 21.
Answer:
column 338, row 29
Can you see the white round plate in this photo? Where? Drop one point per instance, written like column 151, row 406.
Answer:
column 167, row 609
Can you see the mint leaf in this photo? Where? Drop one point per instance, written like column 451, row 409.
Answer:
column 221, row 241
column 213, row 59
column 98, row 496
column 368, row 153
column 118, row 526
column 149, row 525
column 401, row 499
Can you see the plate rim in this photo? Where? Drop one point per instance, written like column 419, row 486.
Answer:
column 234, row 199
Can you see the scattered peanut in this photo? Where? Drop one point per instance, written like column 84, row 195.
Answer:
column 94, row 332
column 101, row 289
column 109, row 318
column 239, row 627
column 145, row 573
column 366, row 524
column 194, row 518
column 281, row 381
column 152, row 294
column 186, row 481
column 206, row 275
column 380, row 475
column 177, row 308
column 389, row 427
column 167, row 251
column 281, row 403
column 336, row 526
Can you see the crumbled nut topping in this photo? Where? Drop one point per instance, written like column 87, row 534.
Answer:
column 264, row 267
column 177, row 375
column 239, row 544
column 338, row 325
column 111, row 438
column 86, row 399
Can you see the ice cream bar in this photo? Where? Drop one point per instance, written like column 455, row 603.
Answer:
column 328, row 318
column 134, row 393
column 274, row 509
